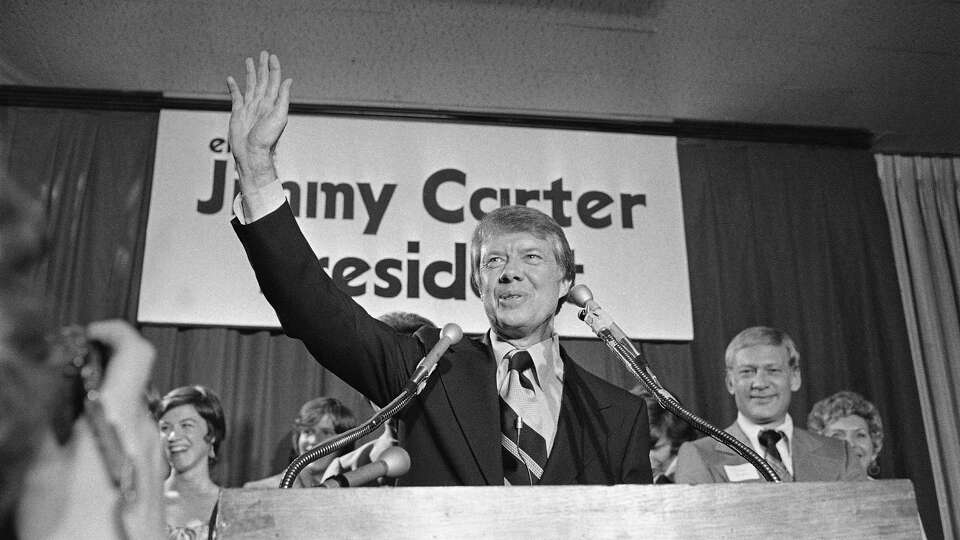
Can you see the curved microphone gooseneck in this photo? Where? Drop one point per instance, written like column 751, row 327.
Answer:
column 608, row 332
column 450, row 334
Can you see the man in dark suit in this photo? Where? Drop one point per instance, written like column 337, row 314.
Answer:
column 763, row 370
column 457, row 432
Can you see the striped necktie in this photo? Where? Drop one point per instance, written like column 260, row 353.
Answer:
column 524, row 448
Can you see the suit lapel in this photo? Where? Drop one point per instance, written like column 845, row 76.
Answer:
column 567, row 457
column 562, row 467
column 738, row 433
column 470, row 385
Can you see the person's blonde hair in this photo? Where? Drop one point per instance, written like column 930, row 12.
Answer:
column 762, row 335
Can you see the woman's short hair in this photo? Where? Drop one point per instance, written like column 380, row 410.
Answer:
column 207, row 404
column 313, row 411
column 514, row 219
column 762, row 335
column 846, row 403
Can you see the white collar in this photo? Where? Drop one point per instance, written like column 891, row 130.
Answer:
column 752, row 430
column 546, row 356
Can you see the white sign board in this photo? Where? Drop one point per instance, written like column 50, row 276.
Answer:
column 389, row 206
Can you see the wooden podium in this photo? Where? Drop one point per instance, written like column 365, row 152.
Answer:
column 871, row 509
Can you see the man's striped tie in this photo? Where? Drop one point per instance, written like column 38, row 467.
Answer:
column 524, row 449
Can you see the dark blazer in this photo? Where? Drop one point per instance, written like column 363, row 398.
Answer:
column 452, row 430
column 815, row 459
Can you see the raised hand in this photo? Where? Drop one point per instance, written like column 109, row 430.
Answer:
column 130, row 365
column 122, row 397
column 257, row 119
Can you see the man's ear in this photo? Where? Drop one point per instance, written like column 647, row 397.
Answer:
column 565, row 286
column 728, row 379
column 795, row 379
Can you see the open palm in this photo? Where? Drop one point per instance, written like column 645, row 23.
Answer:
column 258, row 115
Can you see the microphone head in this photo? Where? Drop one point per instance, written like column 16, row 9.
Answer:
column 397, row 460
column 451, row 332
column 579, row 295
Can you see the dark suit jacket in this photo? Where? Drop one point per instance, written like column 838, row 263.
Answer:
column 452, row 430
column 815, row 459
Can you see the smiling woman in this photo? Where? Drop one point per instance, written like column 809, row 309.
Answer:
column 192, row 426
column 849, row 416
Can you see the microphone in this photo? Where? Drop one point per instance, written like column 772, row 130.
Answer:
column 616, row 339
column 449, row 335
column 392, row 463
column 599, row 321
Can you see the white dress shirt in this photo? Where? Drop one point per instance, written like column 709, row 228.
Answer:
column 752, row 431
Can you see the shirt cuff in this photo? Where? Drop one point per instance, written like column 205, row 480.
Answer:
column 249, row 207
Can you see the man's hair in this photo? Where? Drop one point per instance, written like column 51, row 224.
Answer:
column 207, row 404
column 514, row 219
column 313, row 411
column 405, row 322
column 762, row 335
column 846, row 403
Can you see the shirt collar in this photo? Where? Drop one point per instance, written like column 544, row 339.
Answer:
column 752, row 430
column 545, row 354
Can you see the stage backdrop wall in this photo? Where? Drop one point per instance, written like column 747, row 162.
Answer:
column 789, row 235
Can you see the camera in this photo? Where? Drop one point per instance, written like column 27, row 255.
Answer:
column 78, row 364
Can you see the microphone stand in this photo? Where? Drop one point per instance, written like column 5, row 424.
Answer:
column 638, row 366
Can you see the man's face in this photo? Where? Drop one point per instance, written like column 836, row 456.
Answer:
column 520, row 283
column 311, row 437
column 761, row 382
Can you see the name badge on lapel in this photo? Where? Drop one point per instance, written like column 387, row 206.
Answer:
column 741, row 473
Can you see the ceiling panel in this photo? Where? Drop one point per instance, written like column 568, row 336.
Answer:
column 888, row 66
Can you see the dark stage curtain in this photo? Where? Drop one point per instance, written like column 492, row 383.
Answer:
column 791, row 236
column 90, row 172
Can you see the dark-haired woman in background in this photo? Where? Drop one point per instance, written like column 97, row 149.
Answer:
column 847, row 415
column 192, row 426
